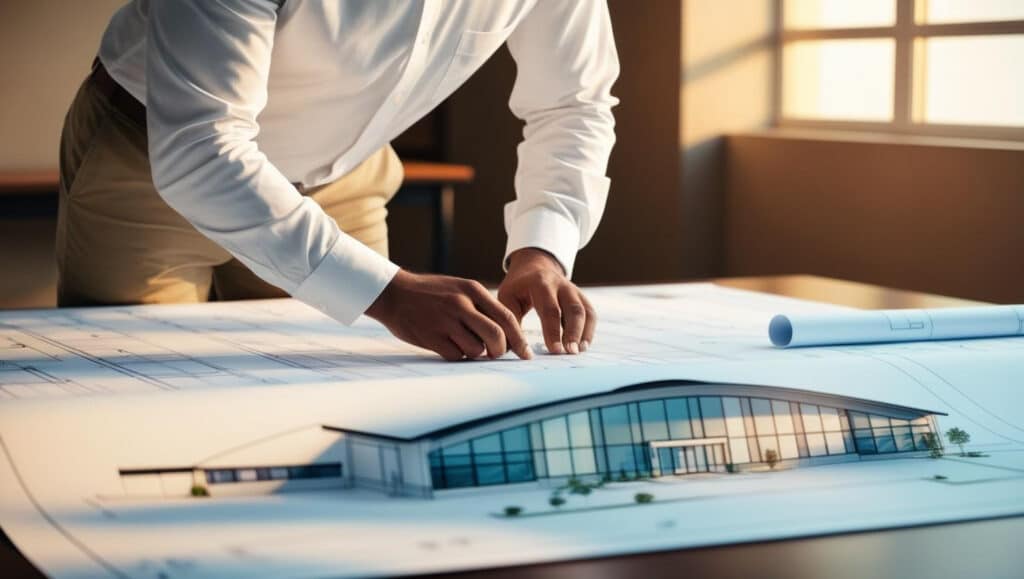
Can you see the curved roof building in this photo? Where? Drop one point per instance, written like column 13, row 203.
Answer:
column 654, row 428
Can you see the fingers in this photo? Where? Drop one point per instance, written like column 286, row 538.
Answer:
column 506, row 319
column 448, row 350
column 590, row 326
column 468, row 342
column 545, row 302
column 488, row 332
column 574, row 317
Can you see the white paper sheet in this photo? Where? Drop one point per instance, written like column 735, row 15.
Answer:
column 869, row 327
column 91, row 391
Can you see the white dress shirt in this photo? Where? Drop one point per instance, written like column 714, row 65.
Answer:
column 246, row 97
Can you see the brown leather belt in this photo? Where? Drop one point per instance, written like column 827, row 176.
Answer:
column 118, row 97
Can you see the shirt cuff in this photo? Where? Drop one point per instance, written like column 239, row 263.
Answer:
column 347, row 280
column 545, row 229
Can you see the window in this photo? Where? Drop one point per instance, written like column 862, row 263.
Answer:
column 953, row 67
column 265, row 473
column 617, row 440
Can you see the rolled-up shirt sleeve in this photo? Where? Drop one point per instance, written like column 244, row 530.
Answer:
column 566, row 65
column 207, row 63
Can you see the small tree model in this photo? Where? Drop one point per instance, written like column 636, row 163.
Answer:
column 958, row 437
column 513, row 511
column 643, row 498
column 556, row 501
column 199, row 491
column 771, row 457
column 931, row 442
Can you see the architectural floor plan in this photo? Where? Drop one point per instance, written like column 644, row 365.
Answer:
column 263, row 439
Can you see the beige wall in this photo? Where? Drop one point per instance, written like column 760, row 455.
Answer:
column 934, row 215
column 726, row 87
column 46, row 48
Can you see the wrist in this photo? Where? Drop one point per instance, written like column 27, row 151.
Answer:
column 535, row 257
column 384, row 303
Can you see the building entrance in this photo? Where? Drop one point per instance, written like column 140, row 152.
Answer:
column 688, row 457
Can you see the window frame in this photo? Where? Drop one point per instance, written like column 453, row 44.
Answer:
column 905, row 32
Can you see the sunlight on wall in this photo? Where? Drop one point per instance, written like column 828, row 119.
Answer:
column 727, row 68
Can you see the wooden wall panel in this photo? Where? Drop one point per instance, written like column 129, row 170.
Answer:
column 919, row 214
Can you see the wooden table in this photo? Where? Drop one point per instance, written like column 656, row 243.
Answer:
column 968, row 549
column 33, row 194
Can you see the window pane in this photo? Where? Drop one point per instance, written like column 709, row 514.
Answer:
column 884, row 440
column 555, row 433
column 878, row 421
column 616, row 425
column 829, row 419
column 767, row 443
column 490, row 443
column 579, row 429
column 783, row 421
column 536, row 439
column 733, row 417
column 634, row 422
column 583, row 461
column 620, row 459
column 520, row 471
column 698, row 426
column 904, row 439
column 816, row 444
column 972, row 80
column 838, row 79
column 652, row 417
column 738, row 450
column 488, row 458
column 839, row 13
column 762, row 416
column 540, row 464
column 859, row 420
column 835, row 442
column 714, row 423
column 943, row 11
column 559, row 463
column 456, row 455
column 490, row 475
column 516, row 439
column 812, row 422
column 458, row 476
column 595, row 427
column 787, row 446
column 678, row 418
column 865, row 441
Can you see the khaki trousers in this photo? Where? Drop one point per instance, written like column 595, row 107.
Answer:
column 118, row 242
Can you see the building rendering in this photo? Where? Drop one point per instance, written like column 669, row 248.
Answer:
column 666, row 428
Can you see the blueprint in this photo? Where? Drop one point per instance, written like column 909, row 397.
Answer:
column 859, row 327
column 87, row 392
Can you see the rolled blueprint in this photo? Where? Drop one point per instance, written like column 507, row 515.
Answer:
column 867, row 327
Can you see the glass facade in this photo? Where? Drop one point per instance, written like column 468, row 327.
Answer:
column 271, row 473
column 638, row 439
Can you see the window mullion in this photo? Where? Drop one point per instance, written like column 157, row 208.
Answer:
column 904, row 67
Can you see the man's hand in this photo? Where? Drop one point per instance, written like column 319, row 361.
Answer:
column 536, row 280
column 457, row 318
